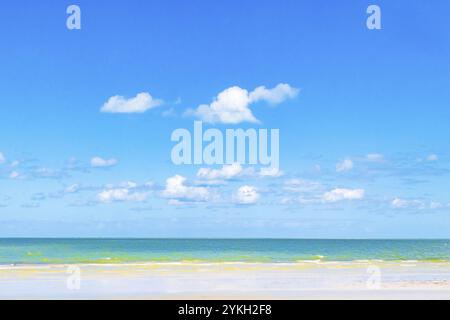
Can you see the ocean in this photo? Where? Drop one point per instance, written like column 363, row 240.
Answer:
column 73, row 251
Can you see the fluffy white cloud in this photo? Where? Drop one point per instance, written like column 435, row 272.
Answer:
column 177, row 189
column 124, row 191
column 276, row 95
column 232, row 105
column 98, row 162
column 141, row 103
column 375, row 157
column 121, row 194
column 433, row 157
column 247, row 195
column 2, row 158
column 340, row 194
column 345, row 165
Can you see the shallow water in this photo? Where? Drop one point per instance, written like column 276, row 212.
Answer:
column 40, row 251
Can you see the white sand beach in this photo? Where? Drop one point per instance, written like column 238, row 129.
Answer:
column 302, row 280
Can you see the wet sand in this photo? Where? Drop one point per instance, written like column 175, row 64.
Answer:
column 302, row 280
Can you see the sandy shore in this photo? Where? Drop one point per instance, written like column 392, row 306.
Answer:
column 303, row 280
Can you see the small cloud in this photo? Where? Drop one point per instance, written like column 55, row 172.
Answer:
column 121, row 195
column 270, row 172
column 247, row 195
column 277, row 95
column 98, row 162
column 15, row 175
column 432, row 157
column 375, row 157
column 139, row 104
column 72, row 188
column 227, row 172
column 2, row 158
column 129, row 185
column 176, row 189
column 340, row 194
column 345, row 165
column 398, row 203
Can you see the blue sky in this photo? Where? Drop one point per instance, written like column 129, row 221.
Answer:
column 363, row 122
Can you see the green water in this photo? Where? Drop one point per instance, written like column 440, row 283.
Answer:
column 39, row 251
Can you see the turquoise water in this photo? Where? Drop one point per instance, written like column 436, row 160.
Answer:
column 36, row 251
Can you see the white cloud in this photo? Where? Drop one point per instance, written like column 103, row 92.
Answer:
column 270, row 172
column 227, row 172
column 247, row 195
column 340, row 194
column 129, row 185
column 15, row 175
column 98, row 162
column 72, row 188
column 141, row 103
column 433, row 157
column 345, row 165
column 178, row 190
column 375, row 157
column 235, row 170
column 121, row 194
column 399, row 203
column 2, row 158
column 232, row 105
column 276, row 95
column 436, row 205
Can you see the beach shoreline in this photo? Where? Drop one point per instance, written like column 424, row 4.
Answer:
column 229, row 280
